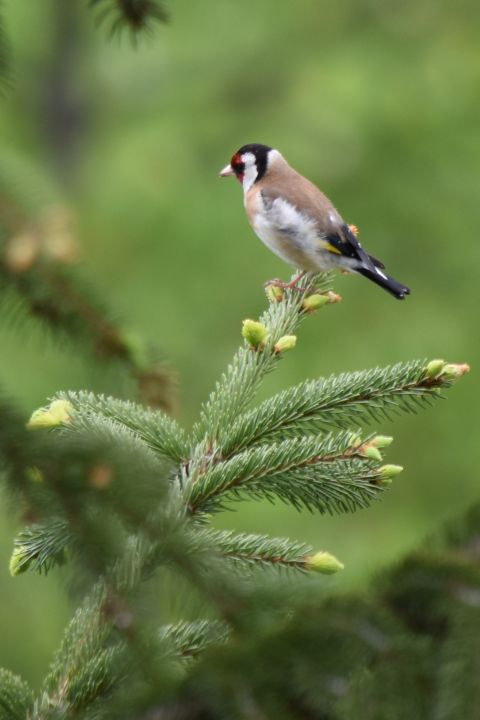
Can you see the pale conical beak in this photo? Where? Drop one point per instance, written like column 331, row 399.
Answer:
column 227, row 171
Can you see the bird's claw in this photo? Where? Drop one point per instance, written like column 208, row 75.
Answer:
column 292, row 285
column 284, row 285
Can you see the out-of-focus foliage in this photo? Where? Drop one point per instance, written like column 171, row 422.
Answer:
column 123, row 496
column 4, row 50
column 375, row 101
column 137, row 15
column 408, row 649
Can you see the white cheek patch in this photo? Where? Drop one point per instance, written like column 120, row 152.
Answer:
column 251, row 172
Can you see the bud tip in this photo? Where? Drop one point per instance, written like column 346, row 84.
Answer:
column 371, row 452
column 324, row 562
column 57, row 413
column 286, row 342
column 381, row 441
column 387, row 472
column 255, row 333
column 18, row 561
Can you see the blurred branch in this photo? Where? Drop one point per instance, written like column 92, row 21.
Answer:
column 64, row 107
column 16, row 445
column 16, row 698
column 64, row 304
column 40, row 547
column 84, row 667
column 187, row 640
column 134, row 15
column 40, row 281
column 4, row 50
column 160, row 432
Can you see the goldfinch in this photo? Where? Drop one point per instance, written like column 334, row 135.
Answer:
column 295, row 220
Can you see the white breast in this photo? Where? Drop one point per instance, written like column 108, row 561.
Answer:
column 289, row 233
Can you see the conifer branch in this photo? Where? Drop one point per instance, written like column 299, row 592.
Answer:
column 128, row 492
column 338, row 401
column 238, row 385
column 189, row 639
column 16, row 698
column 16, row 447
column 86, row 664
column 136, row 15
column 40, row 547
column 159, row 431
column 250, row 550
column 113, row 456
column 457, row 687
column 444, row 570
column 95, row 483
column 324, row 473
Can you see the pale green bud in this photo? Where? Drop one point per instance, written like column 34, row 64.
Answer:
column 286, row 342
column 314, row 302
column 434, row 368
column 381, row 441
column 323, row 562
column 57, row 413
column 255, row 333
column 387, row 472
column 372, row 452
column 274, row 293
column 18, row 561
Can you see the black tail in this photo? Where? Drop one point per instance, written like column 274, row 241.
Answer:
column 385, row 281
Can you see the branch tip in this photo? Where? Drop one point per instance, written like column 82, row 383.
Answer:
column 387, row 472
column 324, row 563
column 286, row 342
column 255, row 333
column 59, row 412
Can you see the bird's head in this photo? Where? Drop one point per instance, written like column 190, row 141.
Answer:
column 249, row 164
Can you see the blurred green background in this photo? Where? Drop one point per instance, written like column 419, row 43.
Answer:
column 377, row 102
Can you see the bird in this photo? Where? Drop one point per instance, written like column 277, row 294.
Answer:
column 297, row 222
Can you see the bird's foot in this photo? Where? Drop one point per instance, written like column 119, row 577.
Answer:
column 292, row 285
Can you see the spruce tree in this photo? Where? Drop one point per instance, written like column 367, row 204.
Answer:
column 122, row 497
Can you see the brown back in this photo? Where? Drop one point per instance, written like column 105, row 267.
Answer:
column 281, row 180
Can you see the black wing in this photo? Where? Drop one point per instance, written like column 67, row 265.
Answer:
column 346, row 244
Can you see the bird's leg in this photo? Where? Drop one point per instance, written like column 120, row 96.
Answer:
column 292, row 285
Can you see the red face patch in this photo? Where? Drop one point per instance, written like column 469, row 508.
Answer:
column 238, row 166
